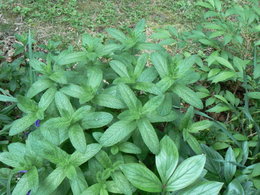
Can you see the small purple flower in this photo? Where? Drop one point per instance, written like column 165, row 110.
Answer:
column 22, row 171
column 37, row 123
column 29, row 192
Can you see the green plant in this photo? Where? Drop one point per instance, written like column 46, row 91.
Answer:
column 123, row 112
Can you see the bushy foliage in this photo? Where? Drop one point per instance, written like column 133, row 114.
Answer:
column 129, row 116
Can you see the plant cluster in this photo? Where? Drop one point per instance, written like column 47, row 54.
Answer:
column 128, row 116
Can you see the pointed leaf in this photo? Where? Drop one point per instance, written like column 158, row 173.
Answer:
column 188, row 96
column 167, row 159
column 186, row 173
column 77, row 138
column 22, row 124
column 117, row 132
column 141, row 177
column 149, row 135
column 160, row 63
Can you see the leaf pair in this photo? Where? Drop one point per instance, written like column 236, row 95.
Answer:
column 172, row 178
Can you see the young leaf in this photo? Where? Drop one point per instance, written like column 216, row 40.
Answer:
column 141, row 177
column 188, row 95
column 229, row 167
column 167, row 159
column 186, row 173
column 77, row 138
column 149, row 135
column 117, row 132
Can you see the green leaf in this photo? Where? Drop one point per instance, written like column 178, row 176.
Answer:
column 5, row 98
column 188, row 96
column 32, row 178
column 213, row 163
column 77, row 138
column 117, row 34
column 63, row 104
column 223, row 76
column 122, row 183
column 149, row 135
column 38, row 65
column 254, row 95
column 73, row 91
column 152, row 104
column 140, row 64
column 128, row 96
column 128, row 147
column 52, row 181
column 96, row 119
column 203, row 188
column 186, row 173
column 109, row 101
column 10, row 159
column 95, row 77
column 186, row 65
column 22, row 187
column 93, row 190
column 59, row 77
column 26, row 105
column 156, row 118
column 235, row 188
column 39, row 86
column 224, row 62
column 119, row 68
column 167, row 159
column 229, row 167
column 22, row 124
column 71, row 58
column 80, row 113
column 78, row 158
column 55, row 130
column 117, row 132
column 218, row 108
column 160, row 63
column 199, row 126
column 78, row 183
column 47, row 98
column 141, row 177
column 193, row 143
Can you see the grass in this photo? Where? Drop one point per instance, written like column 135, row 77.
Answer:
column 66, row 19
